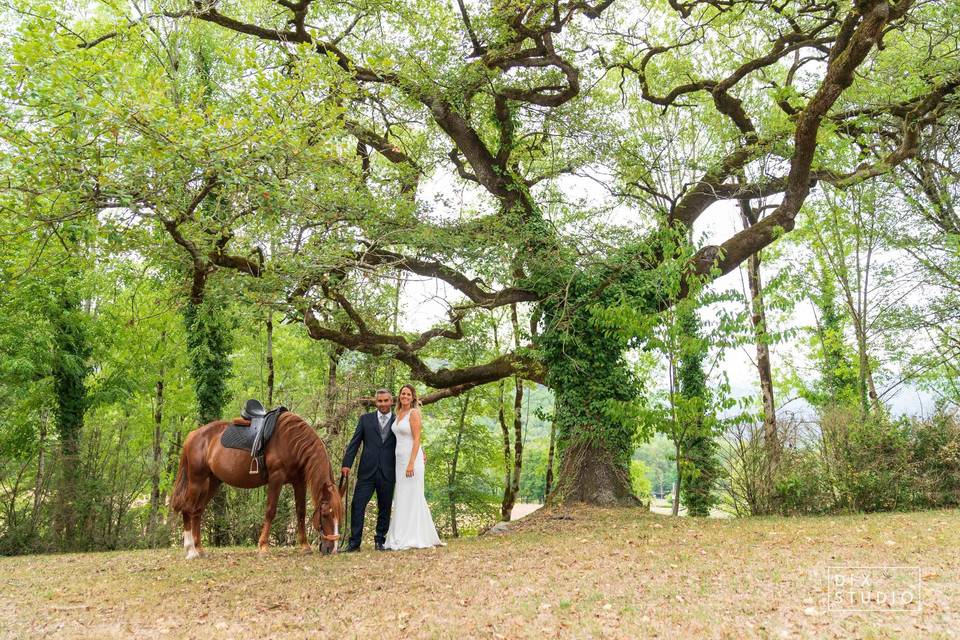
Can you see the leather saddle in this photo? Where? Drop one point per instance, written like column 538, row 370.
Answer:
column 252, row 433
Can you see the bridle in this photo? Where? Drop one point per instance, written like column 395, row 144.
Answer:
column 330, row 537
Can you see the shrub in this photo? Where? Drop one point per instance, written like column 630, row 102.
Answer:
column 855, row 462
column 868, row 456
column 801, row 484
column 936, row 461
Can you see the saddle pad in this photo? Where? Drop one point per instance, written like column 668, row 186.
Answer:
column 236, row 437
column 242, row 437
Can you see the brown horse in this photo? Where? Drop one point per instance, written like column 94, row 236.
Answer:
column 295, row 455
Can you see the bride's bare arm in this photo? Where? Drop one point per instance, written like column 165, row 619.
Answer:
column 415, row 425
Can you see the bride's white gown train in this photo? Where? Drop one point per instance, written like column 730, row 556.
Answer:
column 411, row 525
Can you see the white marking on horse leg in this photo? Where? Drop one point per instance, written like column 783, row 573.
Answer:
column 189, row 546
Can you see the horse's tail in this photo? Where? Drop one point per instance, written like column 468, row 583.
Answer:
column 178, row 498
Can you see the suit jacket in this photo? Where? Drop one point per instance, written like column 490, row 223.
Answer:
column 378, row 455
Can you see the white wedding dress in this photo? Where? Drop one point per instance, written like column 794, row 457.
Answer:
column 411, row 525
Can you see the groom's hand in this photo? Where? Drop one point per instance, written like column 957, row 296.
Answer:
column 345, row 471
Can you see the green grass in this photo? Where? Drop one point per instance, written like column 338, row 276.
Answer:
column 616, row 573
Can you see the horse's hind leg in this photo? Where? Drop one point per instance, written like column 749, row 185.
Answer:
column 274, row 486
column 191, row 519
column 212, row 486
column 188, row 543
column 300, row 497
column 191, row 537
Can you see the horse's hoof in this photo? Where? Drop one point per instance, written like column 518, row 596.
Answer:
column 306, row 549
column 192, row 554
column 263, row 551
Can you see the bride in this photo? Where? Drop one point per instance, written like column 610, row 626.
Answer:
column 411, row 526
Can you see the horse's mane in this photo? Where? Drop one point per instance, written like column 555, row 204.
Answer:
column 309, row 449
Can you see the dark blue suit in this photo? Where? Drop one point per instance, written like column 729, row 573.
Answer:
column 377, row 472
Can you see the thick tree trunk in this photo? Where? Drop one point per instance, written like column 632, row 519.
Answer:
column 588, row 375
column 590, row 474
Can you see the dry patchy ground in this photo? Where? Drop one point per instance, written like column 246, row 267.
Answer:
column 577, row 573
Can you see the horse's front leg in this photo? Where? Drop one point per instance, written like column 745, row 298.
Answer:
column 273, row 494
column 195, row 525
column 300, row 497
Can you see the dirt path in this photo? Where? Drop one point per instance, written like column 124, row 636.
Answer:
column 523, row 509
column 584, row 573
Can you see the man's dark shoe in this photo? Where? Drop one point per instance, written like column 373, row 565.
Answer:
column 380, row 547
column 351, row 548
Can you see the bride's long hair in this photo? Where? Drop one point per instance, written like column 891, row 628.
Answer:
column 414, row 402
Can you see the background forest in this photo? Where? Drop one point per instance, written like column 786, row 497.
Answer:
column 701, row 248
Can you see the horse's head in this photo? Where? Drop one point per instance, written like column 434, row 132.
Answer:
column 327, row 518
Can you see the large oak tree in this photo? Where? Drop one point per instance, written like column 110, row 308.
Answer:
column 672, row 107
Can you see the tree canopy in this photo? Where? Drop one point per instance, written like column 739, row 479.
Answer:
column 292, row 151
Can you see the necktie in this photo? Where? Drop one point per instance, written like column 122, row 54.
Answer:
column 383, row 425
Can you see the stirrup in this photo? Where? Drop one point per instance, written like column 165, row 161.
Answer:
column 254, row 466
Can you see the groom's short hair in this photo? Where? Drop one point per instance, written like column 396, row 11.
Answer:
column 383, row 391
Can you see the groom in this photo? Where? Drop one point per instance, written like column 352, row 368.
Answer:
column 376, row 471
